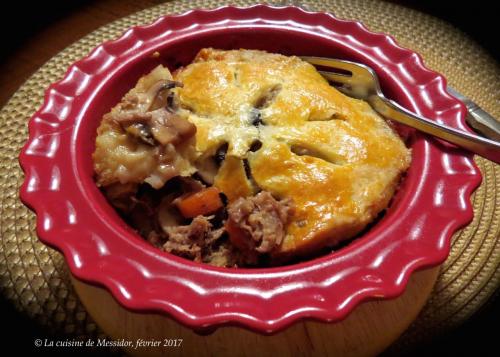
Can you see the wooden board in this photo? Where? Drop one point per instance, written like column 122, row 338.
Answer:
column 367, row 331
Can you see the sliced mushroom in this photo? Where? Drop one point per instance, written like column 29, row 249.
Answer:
column 132, row 117
column 167, row 127
column 159, row 93
column 142, row 132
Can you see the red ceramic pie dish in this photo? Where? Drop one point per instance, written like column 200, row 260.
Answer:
column 73, row 216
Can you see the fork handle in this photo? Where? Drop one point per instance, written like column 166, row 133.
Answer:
column 486, row 148
column 482, row 122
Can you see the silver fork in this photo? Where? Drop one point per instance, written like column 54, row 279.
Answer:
column 360, row 81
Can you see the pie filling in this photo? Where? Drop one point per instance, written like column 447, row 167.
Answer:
column 246, row 158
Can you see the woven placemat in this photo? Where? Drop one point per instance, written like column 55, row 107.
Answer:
column 35, row 277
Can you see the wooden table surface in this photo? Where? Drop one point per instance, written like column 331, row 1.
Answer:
column 60, row 23
column 388, row 319
column 57, row 28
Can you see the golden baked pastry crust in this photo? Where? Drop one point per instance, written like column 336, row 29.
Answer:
column 332, row 155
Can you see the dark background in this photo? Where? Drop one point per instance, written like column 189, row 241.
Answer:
column 479, row 18
column 21, row 25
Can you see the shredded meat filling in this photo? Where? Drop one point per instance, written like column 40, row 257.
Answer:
column 263, row 219
column 190, row 240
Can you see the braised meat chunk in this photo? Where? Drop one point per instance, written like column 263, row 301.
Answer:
column 261, row 220
column 189, row 240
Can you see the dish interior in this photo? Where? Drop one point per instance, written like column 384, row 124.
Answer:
column 180, row 52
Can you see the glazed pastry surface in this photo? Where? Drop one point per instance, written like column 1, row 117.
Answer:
column 290, row 133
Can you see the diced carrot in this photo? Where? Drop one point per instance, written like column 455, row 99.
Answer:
column 237, row 236
column 202, row 202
